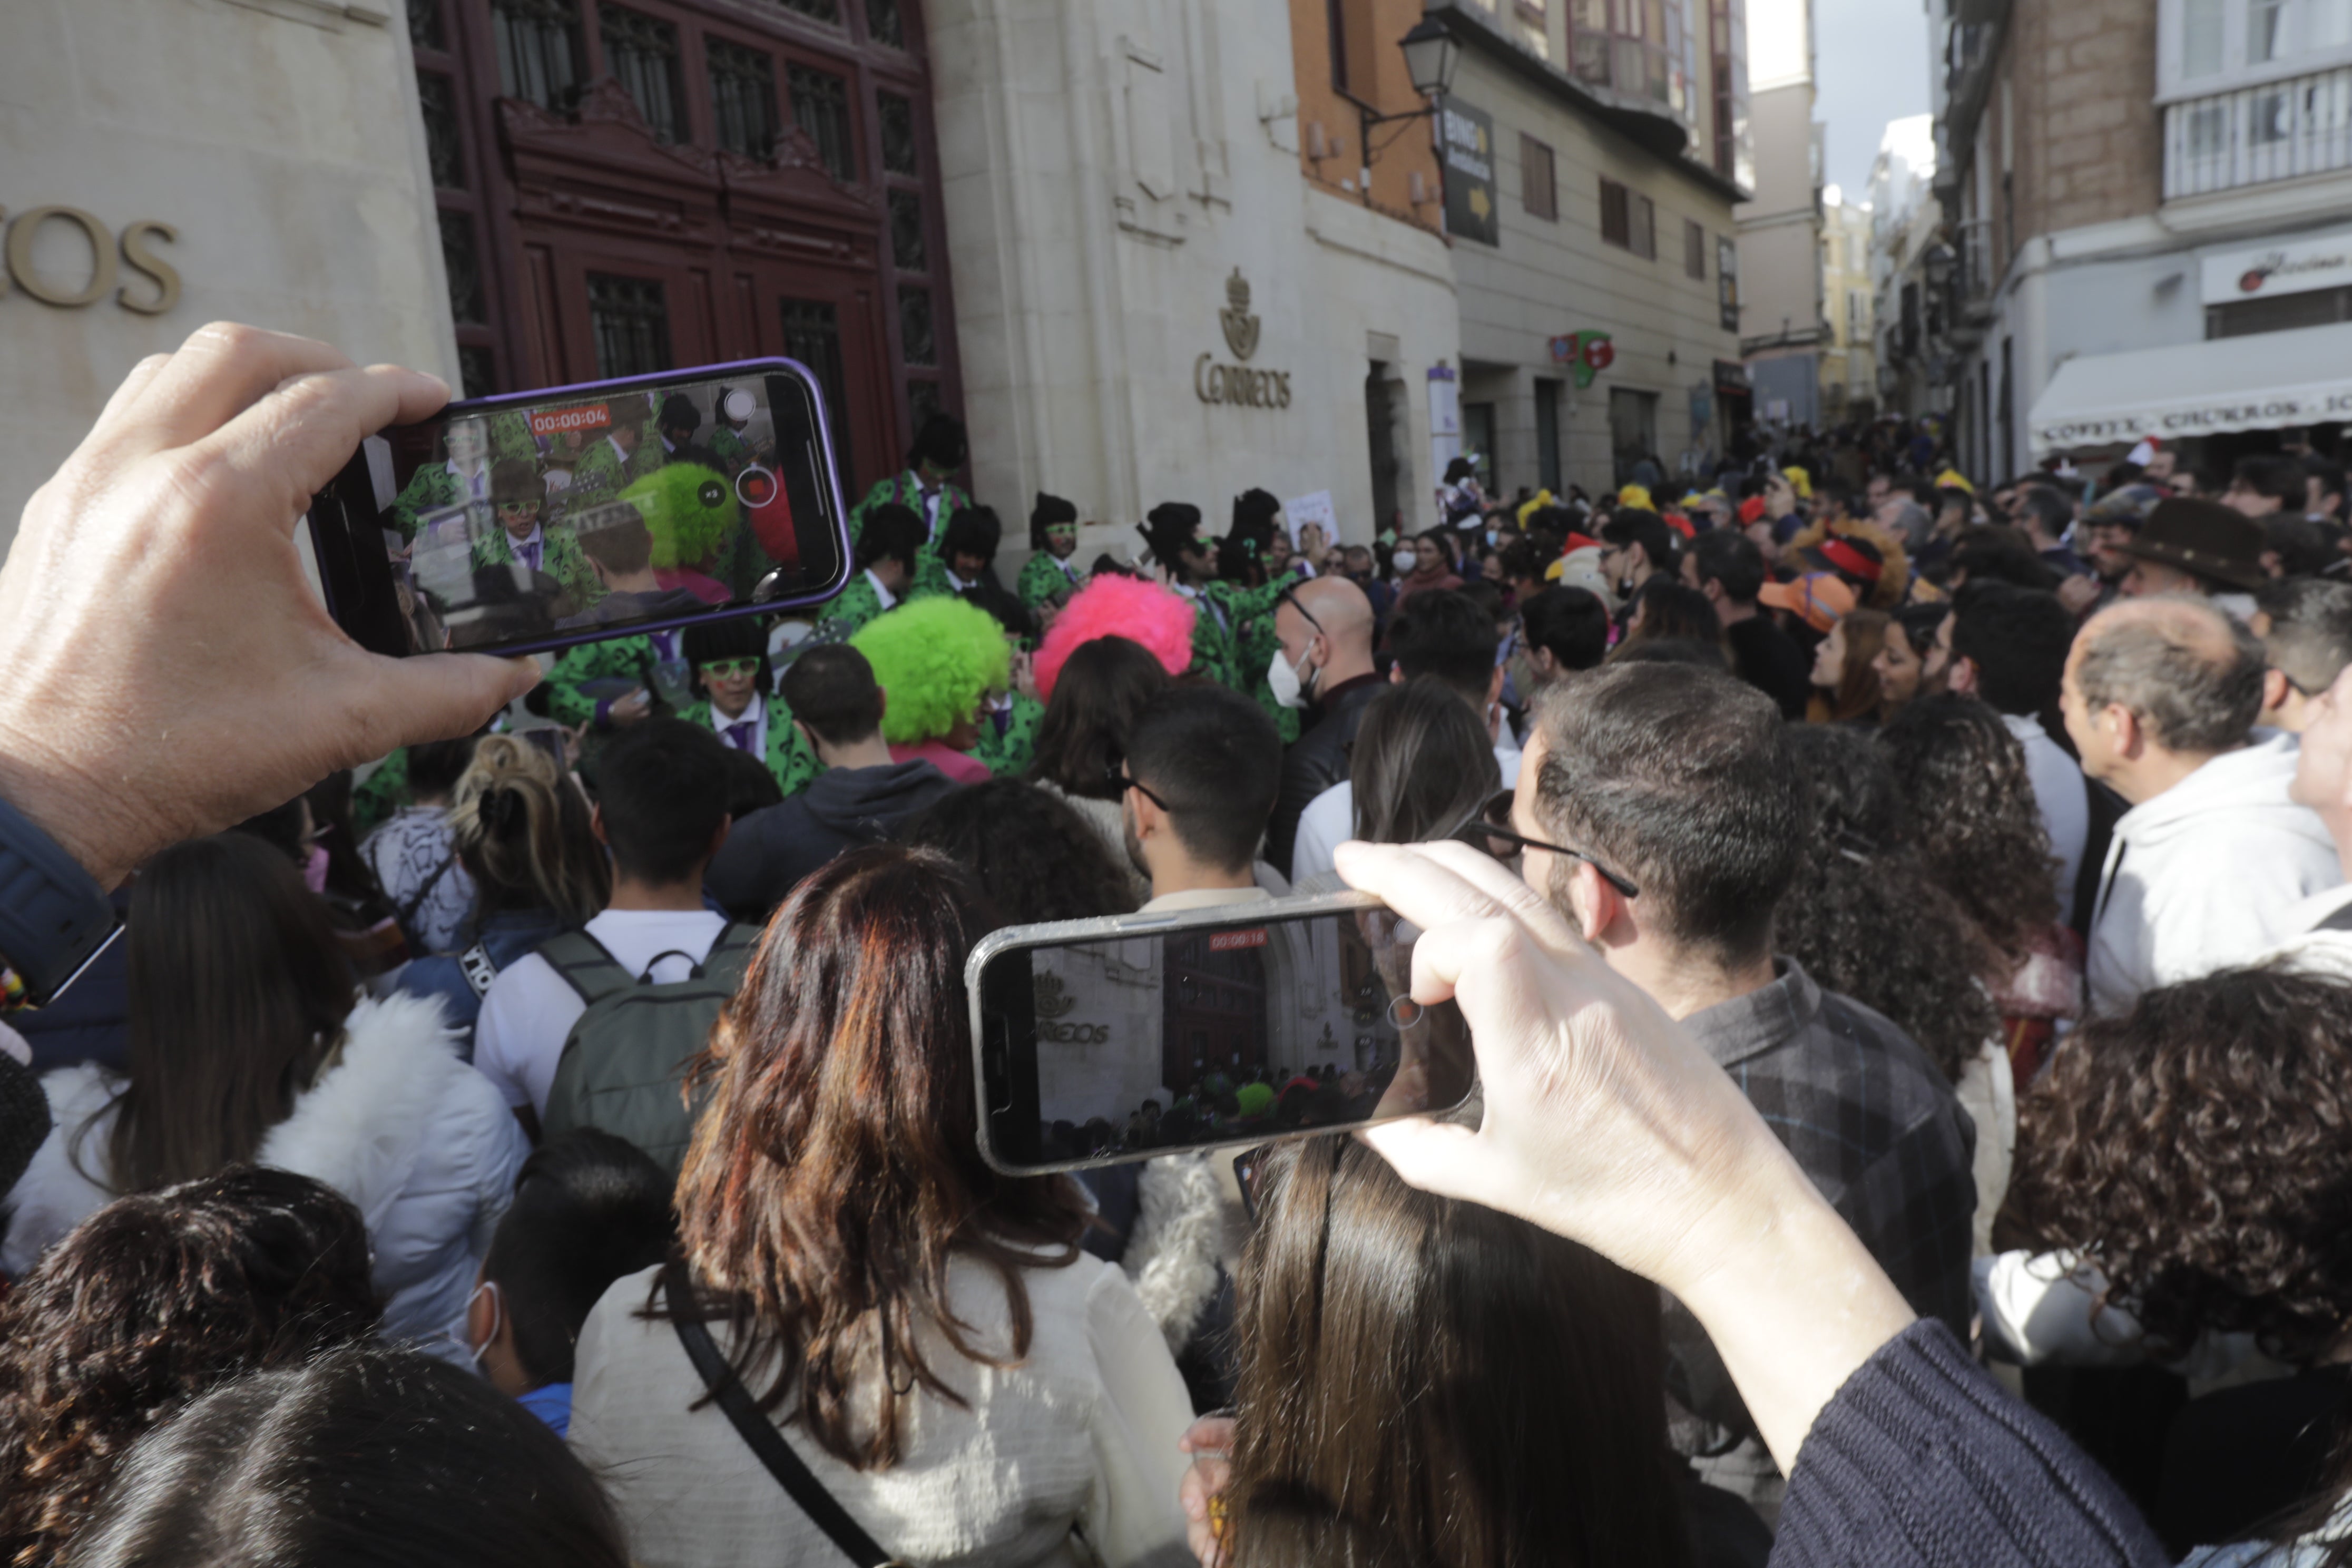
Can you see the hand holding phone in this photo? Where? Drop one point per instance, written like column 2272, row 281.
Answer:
column 631, row 708
column 1118, row 1039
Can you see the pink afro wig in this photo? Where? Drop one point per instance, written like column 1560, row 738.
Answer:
column 1116, row 606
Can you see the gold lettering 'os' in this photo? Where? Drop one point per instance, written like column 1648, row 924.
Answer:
column 136, row 252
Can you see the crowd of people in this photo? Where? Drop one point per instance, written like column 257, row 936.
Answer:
column 1902, row 921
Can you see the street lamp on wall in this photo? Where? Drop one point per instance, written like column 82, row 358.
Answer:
column 1431, row 54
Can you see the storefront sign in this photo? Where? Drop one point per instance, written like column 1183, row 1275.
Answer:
column 1238, row 384
column 2299, row 267
column 1468, row 146
column 109, row 255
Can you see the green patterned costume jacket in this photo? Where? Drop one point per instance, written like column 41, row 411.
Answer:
column 791, row 759
column 559, row 557
column 1041, row 578
column 930, row 571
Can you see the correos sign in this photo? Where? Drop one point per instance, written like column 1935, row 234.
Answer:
column 72, row 282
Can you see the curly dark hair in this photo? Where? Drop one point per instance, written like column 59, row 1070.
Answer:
column 1978, row 829
column 2199, row 1150
column 1864, row 917
column 151, row 1301
column 1033, row 856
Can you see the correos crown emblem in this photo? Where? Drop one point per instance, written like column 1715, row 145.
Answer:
column 1241, row 327
column 1053, row 1002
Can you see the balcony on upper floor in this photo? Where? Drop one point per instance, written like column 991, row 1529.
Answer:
column 2280, row 129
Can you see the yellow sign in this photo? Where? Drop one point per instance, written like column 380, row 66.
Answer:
column 135, row 248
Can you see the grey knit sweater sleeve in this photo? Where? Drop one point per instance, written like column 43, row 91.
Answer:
column 1922, row 1459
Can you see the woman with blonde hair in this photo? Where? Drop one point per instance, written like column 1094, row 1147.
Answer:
column 520, row 828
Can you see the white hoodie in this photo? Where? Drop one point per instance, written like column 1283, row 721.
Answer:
column 2206, row 874
column 419, row 1142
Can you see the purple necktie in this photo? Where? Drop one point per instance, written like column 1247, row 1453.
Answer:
column 739, row 735
column 531, row 553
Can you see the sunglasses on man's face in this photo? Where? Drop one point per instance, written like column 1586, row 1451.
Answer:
column 1490, row 825
column 517, row 508
column 725, row 668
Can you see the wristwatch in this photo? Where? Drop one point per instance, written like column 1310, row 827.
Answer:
column 54, row 917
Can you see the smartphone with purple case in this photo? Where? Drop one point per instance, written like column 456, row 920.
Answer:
column 538, row 520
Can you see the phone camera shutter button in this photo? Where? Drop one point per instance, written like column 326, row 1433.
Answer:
column 1405, row 1012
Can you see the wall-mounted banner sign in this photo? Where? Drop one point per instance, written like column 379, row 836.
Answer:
column 1213, row 382
column 72, row 283
column 1467, row 144
column 2297, row 267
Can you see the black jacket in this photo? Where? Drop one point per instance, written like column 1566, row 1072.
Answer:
column 771, row 850
column 1317, row 761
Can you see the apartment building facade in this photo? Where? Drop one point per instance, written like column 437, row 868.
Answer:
column 1601, row 313
column 2130, row 186
column 1783, row 327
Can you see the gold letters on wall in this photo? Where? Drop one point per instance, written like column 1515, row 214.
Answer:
column 136, row 251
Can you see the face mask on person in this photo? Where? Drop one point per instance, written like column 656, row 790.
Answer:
column 1403, row 560
column 1281, row 678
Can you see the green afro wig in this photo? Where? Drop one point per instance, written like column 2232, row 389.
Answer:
column 935, row 659
column 689, row 509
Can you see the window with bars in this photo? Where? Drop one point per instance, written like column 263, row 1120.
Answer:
column 630, row 319
column 906, row 247
column 437, row 98
column 742, row 98
column 425, row 26
column 1538, row 185
column 539, row 50
column 1694, row 250
column 461, row 261
column 899, row 155
column 813, row 336
column 477, row 371
column 883, row 24
column 915, row 340
column 641, row 52
column 818, row 10
column 821, row 109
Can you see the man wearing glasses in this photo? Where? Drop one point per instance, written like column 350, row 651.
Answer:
column 1657, row 808
column 519, row 499
column 730, row 682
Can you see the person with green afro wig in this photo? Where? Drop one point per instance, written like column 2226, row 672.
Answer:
column 696, row 528
column 936, row 661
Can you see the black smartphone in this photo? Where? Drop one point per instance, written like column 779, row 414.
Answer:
column 1097, row 1041
column 538, row 520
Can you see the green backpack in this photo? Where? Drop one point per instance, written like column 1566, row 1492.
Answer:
column 624, row 1063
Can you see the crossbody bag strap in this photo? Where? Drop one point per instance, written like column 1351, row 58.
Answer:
column 767, row 1444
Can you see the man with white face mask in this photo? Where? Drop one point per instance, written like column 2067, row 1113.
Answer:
column 1324, row 666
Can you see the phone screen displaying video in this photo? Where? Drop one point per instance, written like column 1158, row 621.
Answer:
column 521, row 524
column 1116, row 1049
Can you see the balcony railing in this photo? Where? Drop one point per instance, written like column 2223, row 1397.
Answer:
column 2254, row 135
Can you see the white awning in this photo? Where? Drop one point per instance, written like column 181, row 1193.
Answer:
column 2262, row 382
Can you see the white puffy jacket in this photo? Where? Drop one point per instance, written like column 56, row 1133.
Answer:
column 419, row 1142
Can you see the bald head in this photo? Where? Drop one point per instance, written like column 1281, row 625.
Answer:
column 2189, row 675
column 1333, row 637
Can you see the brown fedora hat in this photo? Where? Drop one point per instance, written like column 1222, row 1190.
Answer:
column 2203, row 537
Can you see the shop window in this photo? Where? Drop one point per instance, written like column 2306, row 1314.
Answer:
column 821, row 108
column 539, row 50
column 813, row 336
column 630, row 320
column 461, row 261
column 742, row 98
column 1538, row 184
column 436, row 97
column 908, row 251
column 916, row 340
column 641, row 52
column 1547, row 435
column 899, row 155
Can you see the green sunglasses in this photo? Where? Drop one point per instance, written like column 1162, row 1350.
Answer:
column 723, row 668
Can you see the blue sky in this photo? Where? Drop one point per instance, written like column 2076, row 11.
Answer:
column 1869, row 66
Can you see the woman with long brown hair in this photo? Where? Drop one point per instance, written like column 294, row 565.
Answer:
column 924, row 1332
column 1845, row 687
column 1432, row 1383
column 250, row 1042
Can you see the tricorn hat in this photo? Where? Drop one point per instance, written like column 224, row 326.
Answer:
column 2203, row 538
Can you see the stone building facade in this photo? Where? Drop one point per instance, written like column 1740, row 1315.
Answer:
column 1783, row 327
column 162, row 166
